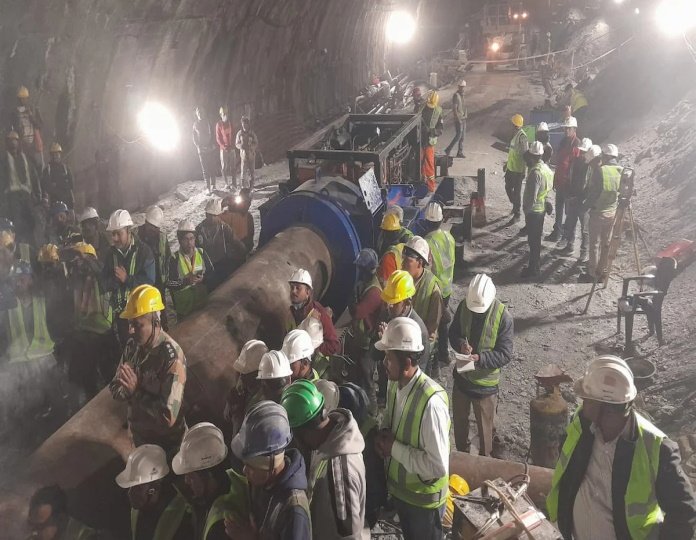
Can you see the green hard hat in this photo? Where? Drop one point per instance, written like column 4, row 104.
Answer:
column 303, row 401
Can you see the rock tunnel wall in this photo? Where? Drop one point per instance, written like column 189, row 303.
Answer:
column 90, row 65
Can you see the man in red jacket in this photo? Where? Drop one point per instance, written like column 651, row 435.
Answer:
column 224, row 135
column 567, row 152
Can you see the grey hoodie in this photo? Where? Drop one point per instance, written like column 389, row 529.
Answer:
column 337, row 496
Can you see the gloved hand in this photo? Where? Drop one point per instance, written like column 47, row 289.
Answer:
column 548, row 207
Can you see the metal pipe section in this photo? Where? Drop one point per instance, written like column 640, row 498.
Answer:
column 86, row 453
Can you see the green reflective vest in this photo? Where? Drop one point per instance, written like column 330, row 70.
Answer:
column 611, row 179
column 41, row 344
column 234, row 502
column 643, row 513
column 170, row 520
column 489, row 336
column 577, row 101
column 362, row 335
column 547, row 185
column 402, row 484
column 120, row 297
column 191, row 297
column 515, row 161
column 437, row 113
column 93, row 311
column 442, row 248
column 425, row 287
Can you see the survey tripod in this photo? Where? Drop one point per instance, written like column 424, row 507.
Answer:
column 611, row 247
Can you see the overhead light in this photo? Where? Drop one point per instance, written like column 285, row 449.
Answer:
column 525, row 14
column 516, row 16
column 495, row 46
column 636, row 11
column 676, row 17
column 400, row 27
column 159, row 126
column 618, row 1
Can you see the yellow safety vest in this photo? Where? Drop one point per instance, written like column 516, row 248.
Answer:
column 489, row 336
column 21, row 349
column 577, row 101
column 547, row 185
column 404, row 485
column 170, row 520
column 93, row 311
column 235, row 502
column 643, row 513
column 425, row 287
column 437, row 113
column 515, row 161
column 442, row 246
column 191, row 297
column 611, row 180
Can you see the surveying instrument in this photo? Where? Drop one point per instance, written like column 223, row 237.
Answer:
column 610, row 249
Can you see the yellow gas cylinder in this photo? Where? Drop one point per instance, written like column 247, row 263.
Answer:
column 457, row 486
column 548, row 417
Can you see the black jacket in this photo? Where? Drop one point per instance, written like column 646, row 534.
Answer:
column 672, row 487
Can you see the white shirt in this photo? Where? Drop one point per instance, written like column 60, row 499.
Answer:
column 432, row 462
column 592, row 513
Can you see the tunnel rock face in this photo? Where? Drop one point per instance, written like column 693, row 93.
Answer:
column 91, row 64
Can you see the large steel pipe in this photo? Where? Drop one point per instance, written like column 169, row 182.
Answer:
column 84, row 455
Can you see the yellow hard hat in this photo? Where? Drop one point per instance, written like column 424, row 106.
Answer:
column 48, row 254
column 22, row 92
column 433, row 99
column 399, row 287
column 85, row 248
column 457, row 486
column 55, row 147
column 390, row 222
column 142, row 300
column 517, row 120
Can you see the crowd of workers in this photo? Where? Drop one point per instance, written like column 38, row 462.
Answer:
column 313, row 453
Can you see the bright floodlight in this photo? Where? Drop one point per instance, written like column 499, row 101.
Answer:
column 495, row 46
column 675, row 17
column 158, row 126
column 400, row 27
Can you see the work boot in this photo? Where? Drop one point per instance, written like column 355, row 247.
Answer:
column 553, row 236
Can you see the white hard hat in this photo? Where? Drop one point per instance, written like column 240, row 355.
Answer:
column 462, row 83
column 202, row 447
column 433, row 212
column 607, row 379
column 297, row 345
column 585, row 145
column 89, row 213
column 315, row 329
column 120, row 219
column 594, row 152
column 543, row 126
column 420, row 246
column 481, row 293
column 329, row 390
column 250, row 357
column 401, row 334
column 536, row 148
column 154, row 216
column 214, row 207
column 274, row 365
column 396, row 210
column 301, row 276
column 571, row 121
column 186, row 226
column 610, row 150
column 145, row 464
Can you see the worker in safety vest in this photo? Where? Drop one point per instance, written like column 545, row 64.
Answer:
column 535, row 205
column 57, row 179
column 217, row 493
column 577, row 101
column 442, row 247
column 8, row 239
column 482, row 331
column 299, row 349
column 365, row 309
column 279, row 509
column 130, row 263
column 515, row 167
column 460, row 115
column 94, row 232
column 274, row 375
column 414, row 435
column 224, row 136
column 217, row 239
column 336, row 490
column 32, row 341
column 618, row 476
column 602, row 200
column 542, row 135
column 92, row 349
column 238, row 217
column 151, row 375
column 189, row 271
column 303, row 306
column 247, row 390
column 394, row 239
column 49, row 518
column 567, row 153
column 152, row 234
column 60, row 227
column 431, row 129
column 428, row 298
column 158, row 509
column 51, row 277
